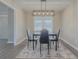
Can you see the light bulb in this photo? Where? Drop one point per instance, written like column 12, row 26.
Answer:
column 51, row 13
column 43, row 13
column 47, row 13
column 35, row 13
column 39, row 13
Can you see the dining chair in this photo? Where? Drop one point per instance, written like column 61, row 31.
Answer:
column 55, row 39
column 58, row 37
column 30, row 38
column 44, row 39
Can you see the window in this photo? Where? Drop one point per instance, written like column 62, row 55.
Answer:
column 37, row 23
column 41, row 22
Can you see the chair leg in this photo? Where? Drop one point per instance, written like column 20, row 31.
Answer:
column 40, row 49
column 50, row 44
column 28, row 43
column 36, row 43
column 33, row 45
column 56, row 46
column 48, row 48
column 53, row 42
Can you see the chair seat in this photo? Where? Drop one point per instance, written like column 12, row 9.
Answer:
column 53, row 40
column 36, row 38
column 32, row 40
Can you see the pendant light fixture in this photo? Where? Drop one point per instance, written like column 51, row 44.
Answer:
column 43, row 11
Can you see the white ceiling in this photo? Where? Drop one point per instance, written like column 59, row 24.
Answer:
column 29, row 5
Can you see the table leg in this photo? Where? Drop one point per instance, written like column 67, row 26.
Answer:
column 33, row 42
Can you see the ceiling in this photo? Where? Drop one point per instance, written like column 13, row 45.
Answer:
column 30, row 5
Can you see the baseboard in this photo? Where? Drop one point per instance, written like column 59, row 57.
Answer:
column 70, row 47
column 17, row 43
column 10, row 42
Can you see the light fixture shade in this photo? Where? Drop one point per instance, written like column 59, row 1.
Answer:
column 44, row 13
column 43, row 0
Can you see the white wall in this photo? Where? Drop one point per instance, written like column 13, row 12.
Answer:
column 6, row 23
column 30, row 22
column 16, row 23
column 69, row 25
column 3, row 21
column 56, row 21
column 19, row 26
column 9, row 3
column 10, row 25
column 4, row 26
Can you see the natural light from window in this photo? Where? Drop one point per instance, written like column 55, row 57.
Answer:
column 41, row 22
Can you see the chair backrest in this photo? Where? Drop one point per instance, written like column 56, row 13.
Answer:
column 58, row 34
column 44, row 37
column 27, row 34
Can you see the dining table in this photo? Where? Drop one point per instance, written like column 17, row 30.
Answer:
column 50, row 34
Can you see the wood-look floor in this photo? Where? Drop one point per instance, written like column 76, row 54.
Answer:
column 8, row 51
column 62, row 52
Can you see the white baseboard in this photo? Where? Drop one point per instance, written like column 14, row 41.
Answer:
column 17, row 43
column 69, row 44
column 70, row 47
column 10, row 42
